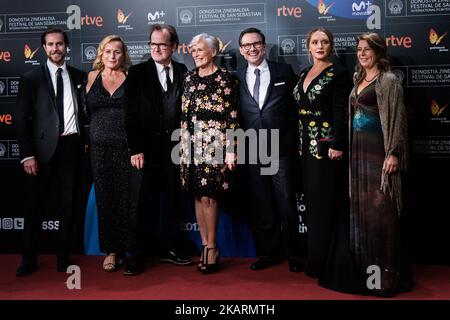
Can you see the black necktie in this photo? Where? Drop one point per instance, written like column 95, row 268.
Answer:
column 168, row 81
column 60, row 99
column 257, row 84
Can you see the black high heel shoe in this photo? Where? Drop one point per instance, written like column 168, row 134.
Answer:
column 209, row 268
column 202, row 258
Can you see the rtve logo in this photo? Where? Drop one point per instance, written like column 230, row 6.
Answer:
column 289, row 12
column 5, row 56
column 183, row 48
column 6, row 119
column 394, row 41
column 92, row 21
column 75, row 20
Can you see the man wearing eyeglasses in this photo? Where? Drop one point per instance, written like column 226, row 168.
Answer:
column 153, row 104
column 266, row 103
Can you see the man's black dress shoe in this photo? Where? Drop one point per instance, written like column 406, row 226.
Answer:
column 295, row 265
column 174, row 257
column 132, row 267
column 25, row 269
column 264, row 263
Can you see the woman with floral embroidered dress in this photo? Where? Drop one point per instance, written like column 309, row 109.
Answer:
column 210, row 103
column 321, row 95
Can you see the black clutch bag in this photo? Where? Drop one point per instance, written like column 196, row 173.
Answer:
column 322, row 147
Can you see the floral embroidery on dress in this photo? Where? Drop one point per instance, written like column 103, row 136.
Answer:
column 315, row 113
column 311, row 123
column 315, row 91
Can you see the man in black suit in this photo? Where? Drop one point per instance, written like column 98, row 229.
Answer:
column 49, row 132
column 267, row 103
column 153, row 104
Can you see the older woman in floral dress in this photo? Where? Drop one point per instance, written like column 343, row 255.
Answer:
column 210, row 105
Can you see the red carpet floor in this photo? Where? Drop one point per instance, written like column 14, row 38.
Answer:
column 167, row 282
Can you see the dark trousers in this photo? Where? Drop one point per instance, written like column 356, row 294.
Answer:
column 156, row 191
column 64, row 169
column 171, row 210
column 275, row 218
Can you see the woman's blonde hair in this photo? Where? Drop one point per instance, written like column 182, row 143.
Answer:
column 98, row 64
column 378, row 45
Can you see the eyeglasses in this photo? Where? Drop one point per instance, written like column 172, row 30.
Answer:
column 162, row 46
column 248, row 46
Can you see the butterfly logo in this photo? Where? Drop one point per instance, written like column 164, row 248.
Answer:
column 435, row 109
column 28, row 53
column 121, row 16
column 322, row 7
column 222, row 46
column 435, row 38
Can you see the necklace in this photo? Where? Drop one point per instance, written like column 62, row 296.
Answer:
column 365, row 79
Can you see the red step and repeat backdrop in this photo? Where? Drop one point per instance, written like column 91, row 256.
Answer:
column 416, row 33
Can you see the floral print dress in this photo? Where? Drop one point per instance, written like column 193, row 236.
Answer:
column 321, row 111
column 210, row 107
column 322, row 115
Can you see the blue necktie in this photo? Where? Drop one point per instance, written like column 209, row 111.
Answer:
column 257, row 84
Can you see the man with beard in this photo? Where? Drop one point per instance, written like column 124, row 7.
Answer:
column 50, row 135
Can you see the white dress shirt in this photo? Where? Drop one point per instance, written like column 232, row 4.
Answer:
column 162, row 74
column 70, row 126
column 264, row 80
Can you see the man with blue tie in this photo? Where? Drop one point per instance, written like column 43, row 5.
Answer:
column 267, row 104
column 50, row 129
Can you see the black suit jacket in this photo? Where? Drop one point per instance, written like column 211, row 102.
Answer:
column 37, row 121
column 278, row 111
column 146, row 129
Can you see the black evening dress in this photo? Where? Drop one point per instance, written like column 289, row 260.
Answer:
column 210, row 106
column 322, row 115
column 111, row 166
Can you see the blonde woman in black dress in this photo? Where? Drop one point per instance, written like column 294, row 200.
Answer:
column 109, row 151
